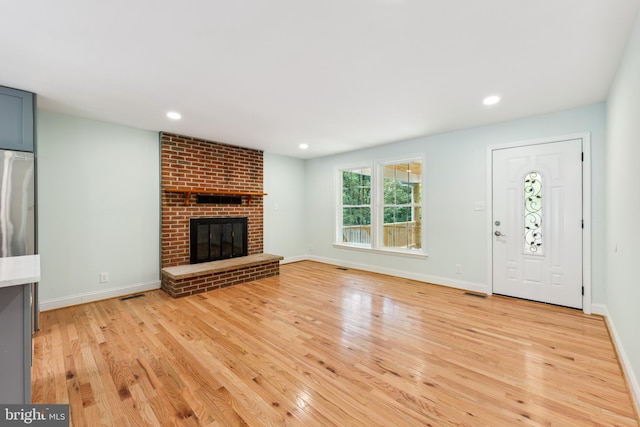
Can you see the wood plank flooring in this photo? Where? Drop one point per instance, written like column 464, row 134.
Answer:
column 319, row 346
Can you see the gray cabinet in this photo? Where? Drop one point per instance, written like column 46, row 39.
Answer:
column 15, row 344
column 16, row 119
column 17, row 275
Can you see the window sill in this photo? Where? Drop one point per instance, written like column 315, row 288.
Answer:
column 396, row 252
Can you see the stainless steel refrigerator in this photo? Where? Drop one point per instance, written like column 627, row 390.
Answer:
column 17, row 210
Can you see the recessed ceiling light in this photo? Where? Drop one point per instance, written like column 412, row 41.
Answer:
column 490, row 100
column 174, row 115
column 303, row 146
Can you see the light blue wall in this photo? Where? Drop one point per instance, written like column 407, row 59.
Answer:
column 98, row 209
column 456, row 174
column 623, row 208
column 285, row 221
column 114, row 170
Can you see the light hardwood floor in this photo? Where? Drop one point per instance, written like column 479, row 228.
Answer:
column 319, row 346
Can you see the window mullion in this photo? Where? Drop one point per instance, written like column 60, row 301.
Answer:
column 375, row 205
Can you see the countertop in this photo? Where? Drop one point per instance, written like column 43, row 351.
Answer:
column 19, row 270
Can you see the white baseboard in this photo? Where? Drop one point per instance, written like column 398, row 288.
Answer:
column 53, row 303
column 627, row 369
column 445, row 281
column 290, row 259
column 600, row 309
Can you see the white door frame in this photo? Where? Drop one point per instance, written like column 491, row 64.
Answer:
column 586, row 208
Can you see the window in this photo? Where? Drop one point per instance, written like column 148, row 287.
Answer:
column 381, row 207
column 356, row 206
column 402, row 210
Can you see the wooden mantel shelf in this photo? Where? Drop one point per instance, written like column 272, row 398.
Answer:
column 189, row 191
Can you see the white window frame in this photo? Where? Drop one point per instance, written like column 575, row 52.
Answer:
column 377, row 208
column 339, row 205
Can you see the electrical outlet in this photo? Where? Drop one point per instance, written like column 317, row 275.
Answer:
column 458, row 269
column 104, row 277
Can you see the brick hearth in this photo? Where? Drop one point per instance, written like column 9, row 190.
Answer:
column 188, row 279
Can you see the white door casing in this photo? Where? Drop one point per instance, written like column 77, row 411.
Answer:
column 543, row 263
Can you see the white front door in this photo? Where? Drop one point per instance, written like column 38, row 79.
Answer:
column 537, row 222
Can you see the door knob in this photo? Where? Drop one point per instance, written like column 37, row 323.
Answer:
column 499, row 234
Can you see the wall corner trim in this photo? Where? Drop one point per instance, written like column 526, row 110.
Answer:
column 627, row 369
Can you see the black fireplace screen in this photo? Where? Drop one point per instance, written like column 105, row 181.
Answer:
column 217, row 238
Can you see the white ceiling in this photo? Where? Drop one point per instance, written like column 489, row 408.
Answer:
column 336, row 74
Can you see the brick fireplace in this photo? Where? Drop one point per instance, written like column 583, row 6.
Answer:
column 198, row 164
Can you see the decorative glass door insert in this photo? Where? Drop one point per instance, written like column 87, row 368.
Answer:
column 533, row 214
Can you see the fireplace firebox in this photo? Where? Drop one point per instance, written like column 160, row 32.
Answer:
column 213, row 239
